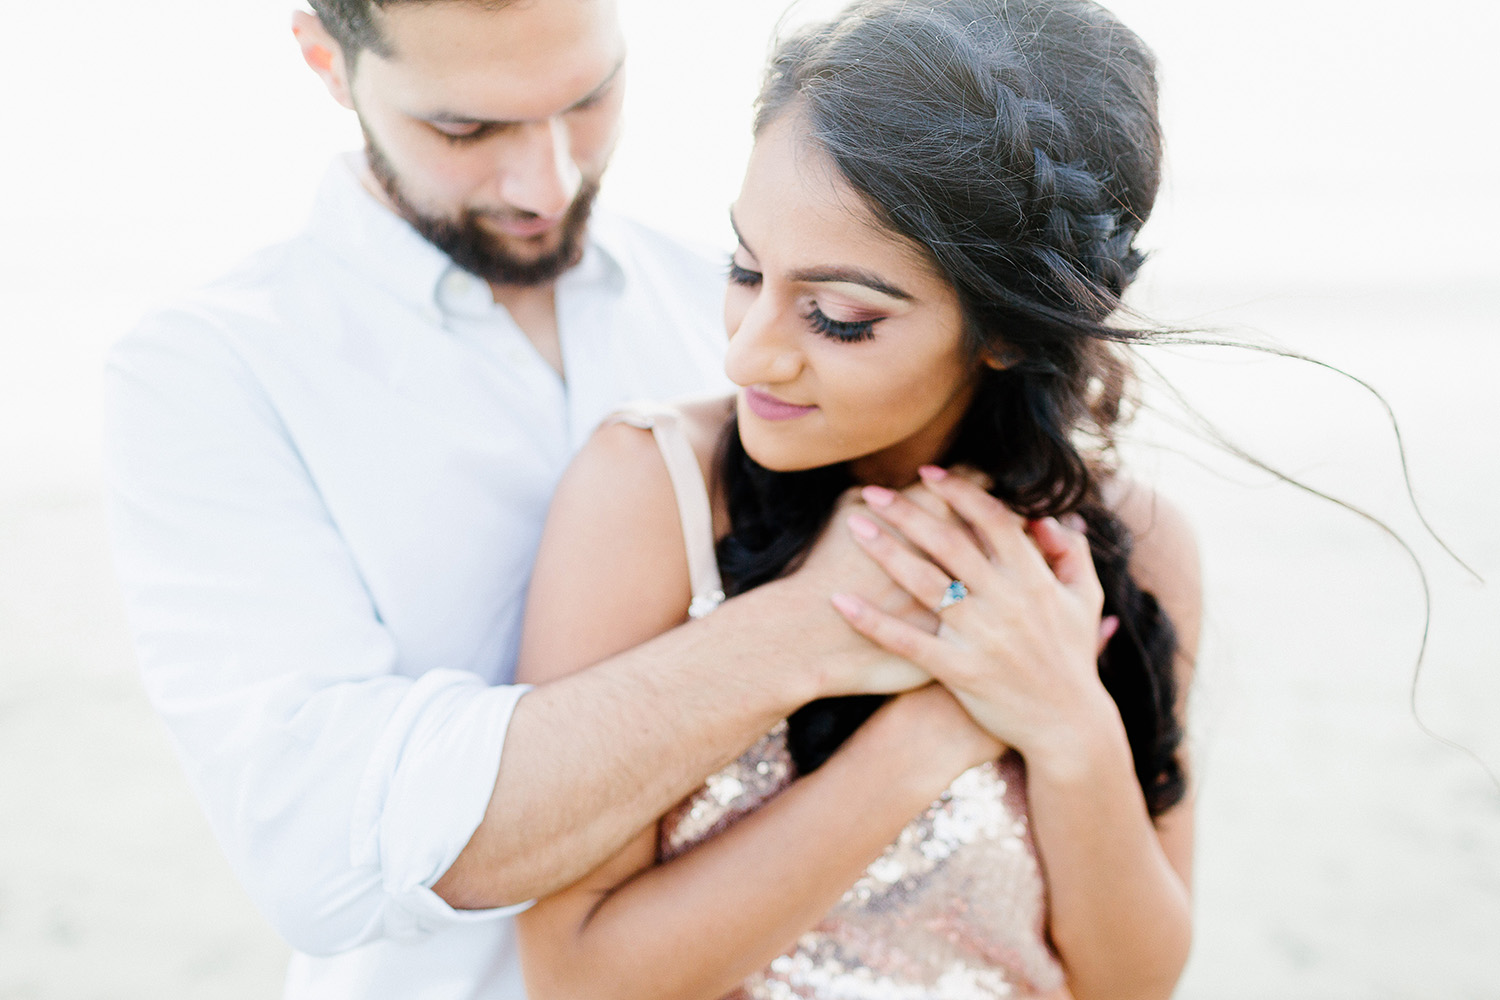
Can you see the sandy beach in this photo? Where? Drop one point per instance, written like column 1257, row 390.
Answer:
column 1343, row 851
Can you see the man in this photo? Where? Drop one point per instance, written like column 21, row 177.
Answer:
column 329, row 473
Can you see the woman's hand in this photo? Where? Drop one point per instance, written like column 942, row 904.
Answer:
column 932, row 718
column 1019, row 650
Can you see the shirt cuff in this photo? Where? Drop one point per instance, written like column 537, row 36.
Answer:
column 426, row 791
column 419, row 911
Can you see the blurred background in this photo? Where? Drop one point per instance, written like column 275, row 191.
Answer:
column 1333, row 168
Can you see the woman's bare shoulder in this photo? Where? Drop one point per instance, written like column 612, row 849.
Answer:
column 618, row 481
column 620, row 444
column 613, row 522
column 1165, row 544
column 1165, row 558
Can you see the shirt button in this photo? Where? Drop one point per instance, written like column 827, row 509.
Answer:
column 457, row 284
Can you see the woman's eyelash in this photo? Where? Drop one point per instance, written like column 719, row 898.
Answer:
column 743, row 276
column 848, row 332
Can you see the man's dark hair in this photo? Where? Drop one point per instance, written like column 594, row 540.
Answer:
column 353, row 23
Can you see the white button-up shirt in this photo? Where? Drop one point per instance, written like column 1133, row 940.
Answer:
column 328, row 477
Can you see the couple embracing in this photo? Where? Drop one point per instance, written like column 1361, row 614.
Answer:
column 428, row 575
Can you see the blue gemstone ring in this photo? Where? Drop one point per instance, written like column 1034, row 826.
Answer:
column 956, row 592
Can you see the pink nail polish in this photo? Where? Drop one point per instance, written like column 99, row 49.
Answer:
column 877, row 496
column 932, row 473
column 863, row 527
column 847, row 605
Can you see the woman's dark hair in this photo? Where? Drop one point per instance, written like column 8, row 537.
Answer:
column 1017, row 143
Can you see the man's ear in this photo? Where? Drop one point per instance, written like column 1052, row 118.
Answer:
column 323, row 55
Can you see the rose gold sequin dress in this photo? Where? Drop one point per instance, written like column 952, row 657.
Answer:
column 954, row 909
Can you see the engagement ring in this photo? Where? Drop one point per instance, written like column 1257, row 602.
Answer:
column 956, row 592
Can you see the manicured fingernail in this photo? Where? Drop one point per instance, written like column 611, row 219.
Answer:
column 863, row 527
column 877, row 496
column 846, row 605
column 1073, row 520
column 932, row 473
column 1108, row 627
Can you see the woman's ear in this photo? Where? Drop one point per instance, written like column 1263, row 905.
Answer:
column 1000, row 358
column 323, row 55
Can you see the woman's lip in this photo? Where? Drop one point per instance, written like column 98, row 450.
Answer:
column 768, row 407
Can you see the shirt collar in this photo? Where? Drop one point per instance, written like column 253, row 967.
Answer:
column 605, row 252
column 359, row 229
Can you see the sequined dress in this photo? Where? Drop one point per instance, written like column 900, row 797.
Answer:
column 955, row 907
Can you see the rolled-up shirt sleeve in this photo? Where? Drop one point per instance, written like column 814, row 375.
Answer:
column 340, row 786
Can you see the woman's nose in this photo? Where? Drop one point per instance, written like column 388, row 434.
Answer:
column 763, row 348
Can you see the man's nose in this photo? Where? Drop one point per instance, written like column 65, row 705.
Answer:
column 764, row 348
column 538, row 173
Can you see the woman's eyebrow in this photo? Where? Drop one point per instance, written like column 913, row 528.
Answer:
column 737, row 234
column 849, row 275
column 839, row 273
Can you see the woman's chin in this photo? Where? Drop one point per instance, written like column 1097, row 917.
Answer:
column 776, row 462
column 779, row 459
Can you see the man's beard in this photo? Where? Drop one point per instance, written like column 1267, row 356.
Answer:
column 475, row 249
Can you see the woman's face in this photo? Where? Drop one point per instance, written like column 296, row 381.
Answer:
column 846, row 341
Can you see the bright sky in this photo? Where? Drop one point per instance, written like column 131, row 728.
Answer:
column 149, row 146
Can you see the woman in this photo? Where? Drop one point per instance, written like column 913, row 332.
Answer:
column 935, row 226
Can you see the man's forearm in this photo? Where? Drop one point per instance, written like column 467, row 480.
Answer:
column 594, row 757
column 692, row 928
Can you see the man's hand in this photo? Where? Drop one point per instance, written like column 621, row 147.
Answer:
column 848, row 663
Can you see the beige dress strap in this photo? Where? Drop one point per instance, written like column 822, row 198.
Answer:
column 665, row 425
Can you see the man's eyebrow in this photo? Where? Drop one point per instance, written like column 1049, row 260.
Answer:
column 604, row 85
column 454, row 118
column 839, row 273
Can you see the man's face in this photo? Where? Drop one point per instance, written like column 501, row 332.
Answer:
column 488, row 130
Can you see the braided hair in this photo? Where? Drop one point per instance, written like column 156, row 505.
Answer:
column 1017, row 141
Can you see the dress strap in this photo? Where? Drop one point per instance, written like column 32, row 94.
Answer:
column 665, row 425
